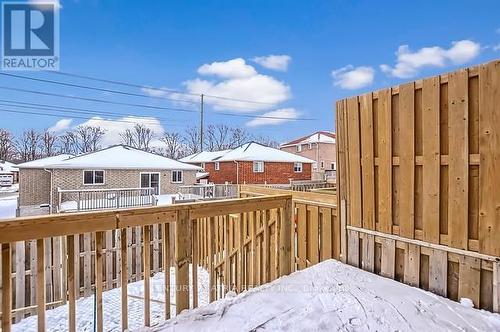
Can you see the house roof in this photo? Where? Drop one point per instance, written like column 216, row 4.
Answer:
column 7, row 167
column 253, row 151
column 121, row 157
column 317, row 137
column 203, row 157
column 42, row 163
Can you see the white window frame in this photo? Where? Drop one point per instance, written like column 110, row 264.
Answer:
column 315, row 166
column 297, row 167
column 298, row 148
column 93, row 177
column 216, row 166
column 333, row 165
column 172, row 176
column 159, row 179
column 203, row 166
column 310, row 146
column 257, row 168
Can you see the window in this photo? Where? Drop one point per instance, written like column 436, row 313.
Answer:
column 297, row 167
column 258, row 167
column 151, row 180
column 176, row 176
column 217, row 166
column 93, row 177
column 299, row 148
column 322, row 164
column 203, row 165
column 333, row 166
column 315, row 166
column 310, row 146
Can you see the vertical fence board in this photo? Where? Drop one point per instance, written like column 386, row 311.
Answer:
column 458, row 158
column 469, row 279
column 367, row 160
column 407, row 159
column 385, row 161
column 431, row 159
column 354, row 155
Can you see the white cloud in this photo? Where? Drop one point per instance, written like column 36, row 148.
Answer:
column 61, row 125
column 115, row 128
column 289, row 113
column 235, row 68
column 409, row 63
column 156, row 92
column 352, row 78
column 275, row 62
column 259, row 88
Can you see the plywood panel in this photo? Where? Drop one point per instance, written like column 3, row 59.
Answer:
column 355, row 190
column 412, row 265
column 469, row 279
column 387, row 268
column 438, row 265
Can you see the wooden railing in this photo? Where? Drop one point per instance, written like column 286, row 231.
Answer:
column 209, row 191
column 101, row 199
column 189, row 223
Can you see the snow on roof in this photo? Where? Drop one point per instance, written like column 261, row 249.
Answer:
column 317, row 137
column 257, row 152
column 7, row 167
column 121, row 157
column 203, row 157
column 201, row 175
column 42, row 163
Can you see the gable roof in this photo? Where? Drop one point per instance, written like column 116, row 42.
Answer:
column 121, row 157
column 43, row 162
column 203, row 157
column 253, row 151
column 321, row 136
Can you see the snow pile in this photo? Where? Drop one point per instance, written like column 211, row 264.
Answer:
column 8, row 207
column 57, row 319
column 255, row 151
column 332, row 296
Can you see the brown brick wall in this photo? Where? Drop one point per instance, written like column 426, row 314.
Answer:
column 34, row 186
column 274, row 173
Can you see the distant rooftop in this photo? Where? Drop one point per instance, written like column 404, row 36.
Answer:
column 317, row 137
column 204, row 156
column 43, row 162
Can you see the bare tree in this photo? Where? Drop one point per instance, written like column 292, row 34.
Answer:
column 29, row 145
column 174, row 148
column 239, row 136
column 218, row 137
column 67, row 143
column 49, row 139
column 267, row 141
column 88, row 138
column 192, row 140
column 7, row 148
column 139, row 137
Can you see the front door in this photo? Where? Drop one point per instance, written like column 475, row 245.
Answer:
column 151, row 180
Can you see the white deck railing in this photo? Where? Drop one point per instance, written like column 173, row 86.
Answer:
column 101, row 199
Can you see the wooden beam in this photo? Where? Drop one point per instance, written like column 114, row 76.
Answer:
column 40, row 283
column 147, row 274
column 124, row 277
column 99, row 281
column 71, row 284
column 7, row 287
column 182, row 259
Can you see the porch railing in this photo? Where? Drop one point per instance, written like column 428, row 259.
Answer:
column 188, row 222
column 101, row 199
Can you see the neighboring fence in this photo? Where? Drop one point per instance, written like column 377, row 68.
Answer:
column 302, row 185
column 209, row 191
column 419, row 185
column 101, row 199
column 55, row 261
column 317, row 233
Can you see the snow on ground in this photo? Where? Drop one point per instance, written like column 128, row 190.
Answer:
column 8, row 205
column 332, row 296
column 10, row 189
column 57, row 319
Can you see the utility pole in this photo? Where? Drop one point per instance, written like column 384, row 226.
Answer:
column 201, row 122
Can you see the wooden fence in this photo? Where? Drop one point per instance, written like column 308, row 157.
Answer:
column 419, row 185
column 185, row 220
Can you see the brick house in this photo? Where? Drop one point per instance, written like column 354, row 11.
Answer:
column 320, row 147
column 116, row 167
column 252, row 163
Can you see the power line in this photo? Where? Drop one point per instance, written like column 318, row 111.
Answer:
column 74, row 116
column 72, row 109
column 95, row 88
column 99, row 100
column 157, row 89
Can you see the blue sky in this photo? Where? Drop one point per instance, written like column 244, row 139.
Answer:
column 328, row 49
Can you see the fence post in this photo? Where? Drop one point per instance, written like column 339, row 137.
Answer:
column 285, row 254
column 182, row 258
